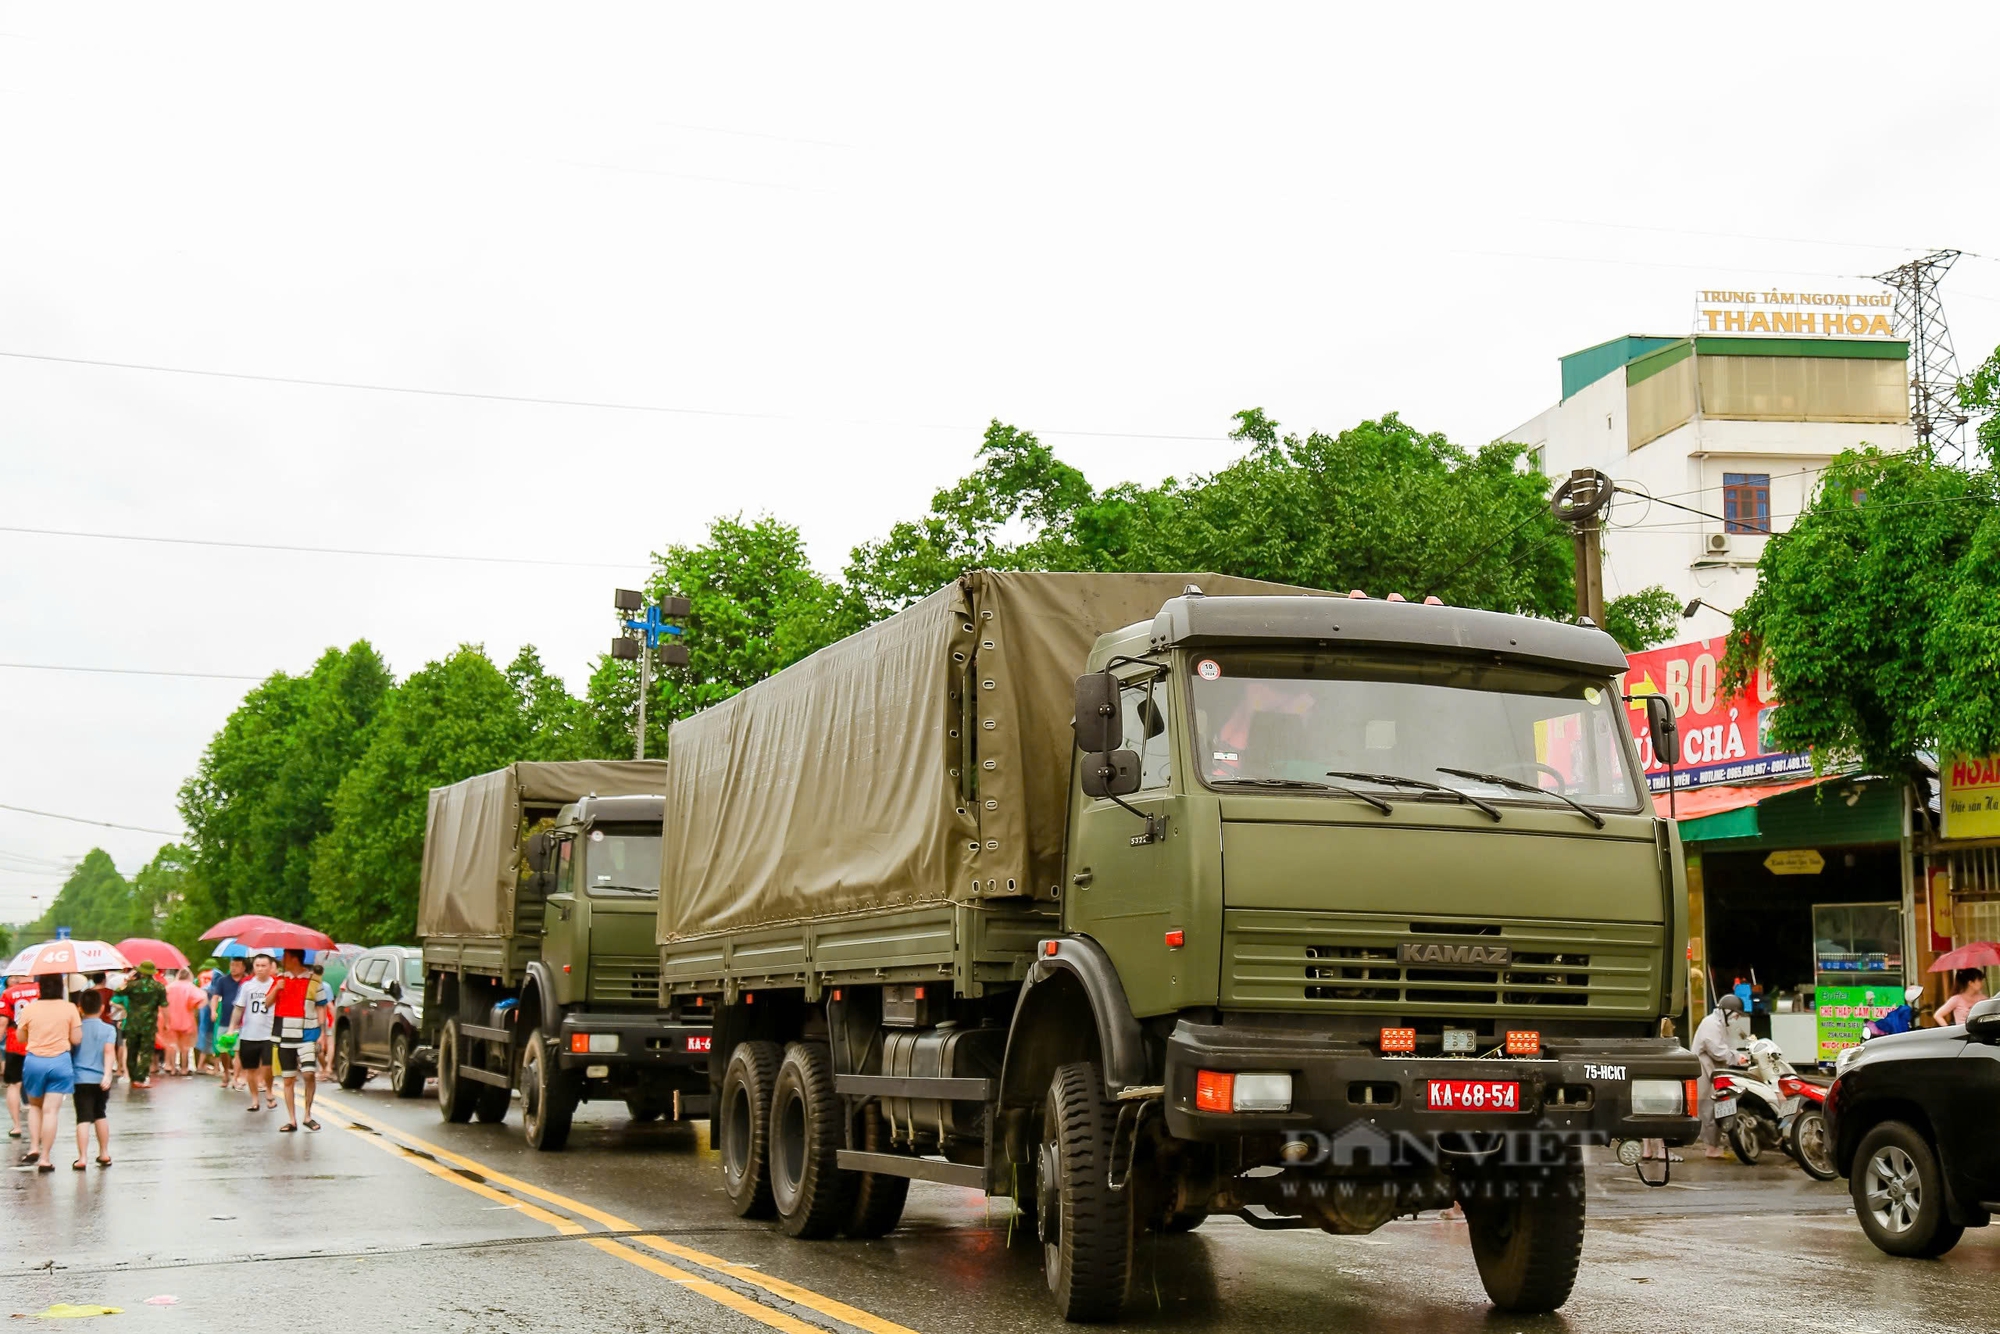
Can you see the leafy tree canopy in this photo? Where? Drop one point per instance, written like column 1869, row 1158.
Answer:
column 1879, row 615
column 95, row 903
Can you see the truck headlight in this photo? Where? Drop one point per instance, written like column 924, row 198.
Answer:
column 1658, row 1097
column 1262, row 1093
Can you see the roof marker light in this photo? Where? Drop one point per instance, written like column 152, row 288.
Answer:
column 1397, row 597
column 1433, row 601
column 1357, row 593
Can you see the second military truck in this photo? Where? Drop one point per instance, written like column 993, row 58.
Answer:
column 536, row 911
column 1142, row 898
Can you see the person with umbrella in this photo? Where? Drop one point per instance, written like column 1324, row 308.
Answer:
column 144, row 995
column 300, row 1004
column 21, row 989
column 1969, row 990
column 50, row 1028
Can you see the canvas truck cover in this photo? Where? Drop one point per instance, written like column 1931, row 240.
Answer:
column 832, row 788
column 472, row 836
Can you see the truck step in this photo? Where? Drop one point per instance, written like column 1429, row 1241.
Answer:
column 484, row 1033
column 915, row 1086
column 917, row 1169
column 478, row 1076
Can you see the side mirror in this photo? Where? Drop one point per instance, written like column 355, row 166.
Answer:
column 1666, row 732
column 1983, row 1023
column 1113, row 773
column 395, row 988
column 537, row 854
column 1100, row 728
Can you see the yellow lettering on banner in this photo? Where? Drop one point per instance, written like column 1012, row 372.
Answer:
column 1732, row 321
column 1759, row 323
column 1712, row 316
column 1880, row 325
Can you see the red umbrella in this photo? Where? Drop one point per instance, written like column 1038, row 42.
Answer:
column 235, row 926
column 1979, row 954
column 140, row 948
column 283, row 936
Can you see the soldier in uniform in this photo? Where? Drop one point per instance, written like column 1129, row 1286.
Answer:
column 144, row 995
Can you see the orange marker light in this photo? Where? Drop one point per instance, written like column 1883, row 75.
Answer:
column 1176, row 939
column 1399, row 1039
column 1049, row 948
column 1523, row 1042
column 579, row 1042
column 920, row 993
column 1214, row 1091
column 1691, row 1096
column 836, row 993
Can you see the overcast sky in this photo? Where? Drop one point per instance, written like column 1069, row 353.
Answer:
column 826, row 244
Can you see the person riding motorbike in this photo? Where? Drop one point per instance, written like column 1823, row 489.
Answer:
column 1715, row 1047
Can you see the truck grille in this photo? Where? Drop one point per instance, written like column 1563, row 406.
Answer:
column 1338, row 961
column 622, row 981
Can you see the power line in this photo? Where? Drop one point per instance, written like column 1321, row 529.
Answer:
column 127, row 671
column 78, row 819
column 318, row 551
column 604, row 404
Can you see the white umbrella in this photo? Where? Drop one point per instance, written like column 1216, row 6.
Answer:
column 67, row 956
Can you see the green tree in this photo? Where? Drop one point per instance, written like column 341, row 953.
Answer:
column 457, row 717
column 1879, row 615
column 1643, row 620
column 1980, row 393
column 95, row 903
column 170, row 903
column 557, row 724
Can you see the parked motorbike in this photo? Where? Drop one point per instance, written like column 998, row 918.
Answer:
column 1772, row 1107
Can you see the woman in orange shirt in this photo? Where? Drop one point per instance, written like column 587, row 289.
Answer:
column 50, row 1027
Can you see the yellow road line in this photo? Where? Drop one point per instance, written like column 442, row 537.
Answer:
column 791, row 1292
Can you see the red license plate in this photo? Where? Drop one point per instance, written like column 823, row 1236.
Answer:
column 699, row 1043
column 1474, row 1095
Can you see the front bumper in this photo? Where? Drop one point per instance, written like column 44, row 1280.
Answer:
column 644, row 1042
column 1579, row 1090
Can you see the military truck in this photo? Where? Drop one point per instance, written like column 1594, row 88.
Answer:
column 1143, row 898
column 537, row 913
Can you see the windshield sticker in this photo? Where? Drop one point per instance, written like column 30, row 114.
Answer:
column 597, row 836
column 1592, row 695
column 1229, row 755
column 1210, row 670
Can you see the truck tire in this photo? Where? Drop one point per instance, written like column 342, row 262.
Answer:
column 743, row 1127
column 347, row 1067
column 456, row 1097
column 642, row 1112
column 1898, row 1193
column 406, row 1077
column 1187, row 1220
column 1527, row 1235
column 1084, row 1225
column 878, row 1197
column 812, row 1195
column 548, row 1096
column 492, row 1104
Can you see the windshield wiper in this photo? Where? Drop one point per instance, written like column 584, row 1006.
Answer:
column 1516, row 785
column 1304, row 785
column 1420, row 784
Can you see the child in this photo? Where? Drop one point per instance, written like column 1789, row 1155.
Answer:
column 96, row 1057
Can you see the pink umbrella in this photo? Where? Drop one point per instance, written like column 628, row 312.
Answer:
column 1979, row 954
column 69, row 956
column 141, row 948
column 235, row 926
column 283, row 936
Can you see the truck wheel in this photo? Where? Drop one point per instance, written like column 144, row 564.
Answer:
column 1085, row 1227
column 492, row 1103
column 1527, row 1235
column 406, row 1077
column 346, row 1068
column 548, row 1096
column 642, row 1112
column 1187, row 1220
column 1899, row 1193
column 744, row 1126
column 878, row 1197
column 456, row 1096
column 812, row 1195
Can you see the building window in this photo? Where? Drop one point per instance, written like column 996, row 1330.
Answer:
column 1746, row 502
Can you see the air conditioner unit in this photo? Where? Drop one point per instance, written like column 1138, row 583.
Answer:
column 1718, row 544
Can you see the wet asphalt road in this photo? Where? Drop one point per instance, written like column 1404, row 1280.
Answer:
column 388, row 1219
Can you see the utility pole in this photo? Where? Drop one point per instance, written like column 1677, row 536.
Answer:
column 640, row 639
column 1578, row 502
column 1934, row 411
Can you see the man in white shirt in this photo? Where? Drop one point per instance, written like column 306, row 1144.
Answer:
column 1715, row 1047
column 252, row 1021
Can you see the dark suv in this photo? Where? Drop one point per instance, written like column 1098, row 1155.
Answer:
column 1911, row 1117
column 377, row 1016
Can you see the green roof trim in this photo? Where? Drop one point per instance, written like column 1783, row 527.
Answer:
column 1739, row 823
column 1859, row 349
column 1583, row 369
column 1652, row 363
column 1817, row 816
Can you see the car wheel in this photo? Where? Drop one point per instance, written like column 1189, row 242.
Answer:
column 1811, row 1147
column 548, row 1096
column 406, row 1077
column 1527, row 1235
column 346, row 1069
column 456, row 1097
column 1898, row 1193
column 1085, row 1226
column 744, row 1126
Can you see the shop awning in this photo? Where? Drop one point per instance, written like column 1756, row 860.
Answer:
column 1696, row 802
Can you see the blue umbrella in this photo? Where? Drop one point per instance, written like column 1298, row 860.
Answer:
column 229, row 949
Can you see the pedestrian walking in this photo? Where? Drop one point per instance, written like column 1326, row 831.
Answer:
column 300, row 1004
column 96, row 1058
column 251, row 1022
column 20, row 990
column 222, row 1007
column 144, row 998
column 178, row 1021
column 51, row 1027
column 1715, row 1047
column 1970, row 989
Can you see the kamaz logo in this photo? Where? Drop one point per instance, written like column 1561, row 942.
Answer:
column 1439, row 955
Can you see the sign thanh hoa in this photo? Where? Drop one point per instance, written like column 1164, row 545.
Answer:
column 1722, row 740
column 1771, row 313
column 1971, row 796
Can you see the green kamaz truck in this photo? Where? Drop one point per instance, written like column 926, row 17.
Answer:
column 537, row 906
column 1141, row 898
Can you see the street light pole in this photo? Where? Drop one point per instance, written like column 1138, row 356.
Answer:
column 639, row 640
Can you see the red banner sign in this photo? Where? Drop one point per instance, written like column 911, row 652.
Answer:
column 1722, row 740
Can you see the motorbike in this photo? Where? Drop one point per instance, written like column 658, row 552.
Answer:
column 1766, row 1104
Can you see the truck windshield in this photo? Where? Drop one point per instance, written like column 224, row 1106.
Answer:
column 1278, row 718
column 622, row 859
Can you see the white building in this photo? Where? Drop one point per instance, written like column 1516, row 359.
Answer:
column 1737, row 428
